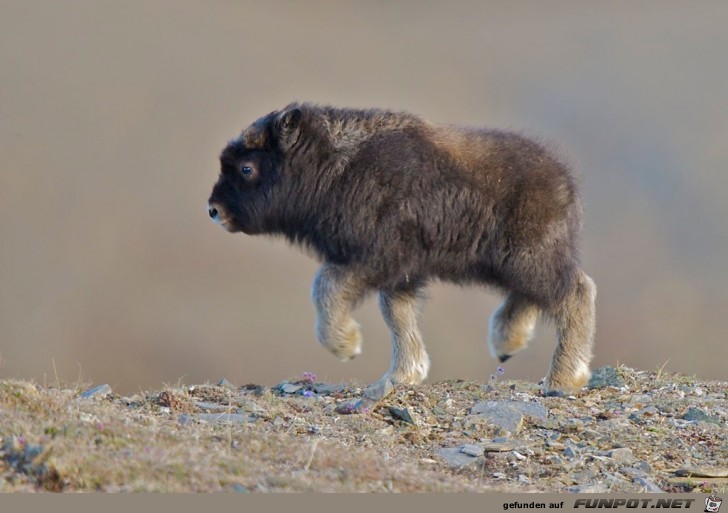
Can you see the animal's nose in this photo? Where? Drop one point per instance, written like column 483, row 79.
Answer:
column 213, row 212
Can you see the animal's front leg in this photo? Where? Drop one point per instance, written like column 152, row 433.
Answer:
column 410, row 362
column 335, row 293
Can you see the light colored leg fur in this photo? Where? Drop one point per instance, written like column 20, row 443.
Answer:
column 511, row 326
column 576, row 323
column 335, row 292
column 410, row 362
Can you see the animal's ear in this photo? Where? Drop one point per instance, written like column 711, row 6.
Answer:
column 288, row 125
column 288, row 120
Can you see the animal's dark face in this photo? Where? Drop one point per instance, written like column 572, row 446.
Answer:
column 244, row 198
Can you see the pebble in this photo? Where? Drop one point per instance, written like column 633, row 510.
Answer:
column 348, row 407
column 327, row 389
column 454, row 457
column 99, row 391
column 569, row 452
column 289, row 388
column 250, row 406
column 217, row 418
column 508, row 415
column 622, row 455
column 648, row 485
column 226, row 384
column 696, row 414
column 402, row 414
column 472, row 450
column 555, row 460
column 24, row 457
column 498, row 446
column 518, row 455
column 702, row 471
column 590, row 434
column 583, row 476
column 550, row 424
column 605, row 377
column 212, row 407
column 640, row 415
column 588, row 488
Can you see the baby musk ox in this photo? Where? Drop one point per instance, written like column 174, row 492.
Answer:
column 389, row 201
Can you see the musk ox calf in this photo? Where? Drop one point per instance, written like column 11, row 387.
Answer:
column 389, row 201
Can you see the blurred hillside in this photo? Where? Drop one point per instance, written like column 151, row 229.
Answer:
column 112, row 115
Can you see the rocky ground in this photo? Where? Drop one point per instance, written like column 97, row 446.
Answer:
column 630, row 431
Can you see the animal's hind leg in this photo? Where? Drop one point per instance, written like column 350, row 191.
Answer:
column 576, row 324
column 511, row 326
column 410, row 362
column 335, row 293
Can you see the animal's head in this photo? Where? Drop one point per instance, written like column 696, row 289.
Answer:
column 247, row 195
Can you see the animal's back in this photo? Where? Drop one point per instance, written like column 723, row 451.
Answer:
column 458, row 204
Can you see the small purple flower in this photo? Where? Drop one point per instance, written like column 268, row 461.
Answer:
column 309, row 376
column 21, row 440
column 501, row 370
column 307, row 393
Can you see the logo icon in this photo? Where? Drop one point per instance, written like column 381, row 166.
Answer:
column 712, row 504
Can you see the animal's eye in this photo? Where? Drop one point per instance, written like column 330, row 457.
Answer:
column 247, row 170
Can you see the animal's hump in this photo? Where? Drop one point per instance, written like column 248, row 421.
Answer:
column 349, row 127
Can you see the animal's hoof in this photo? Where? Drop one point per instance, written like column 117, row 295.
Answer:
column 504, row 357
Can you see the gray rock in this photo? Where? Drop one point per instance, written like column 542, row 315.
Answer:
column 454, row 457
column 622, row 455
column 605, row 377
column 702, row 471
column 213, row 407
column 99, row 391
column 226, row 384
column 590, row 434
column 226, row 418
column 550, row 424
column 696, row 414
column 328, row 389
column 250, row 406
column 583, row 476
column 498, row 445
column 217, row 418
column 643, row 466
column 647, row 485
column 641, row 415
column 569, row 452
column 571, row 426
column 555, row 460
column 588, row 488
column 289, row 388
column 348, row 407
column 526, row 408
column 402, row 414
column 508, row 415
column 472, row 450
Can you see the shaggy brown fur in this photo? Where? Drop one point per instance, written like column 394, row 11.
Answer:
column 389, row 201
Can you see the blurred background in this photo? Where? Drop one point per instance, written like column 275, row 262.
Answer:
column 112, row 116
